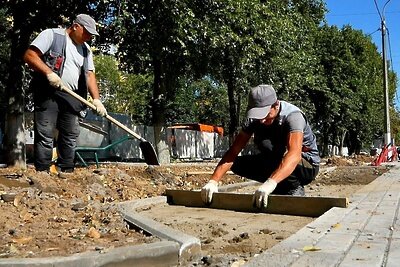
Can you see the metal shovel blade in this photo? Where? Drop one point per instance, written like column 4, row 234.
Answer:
column 149, row 154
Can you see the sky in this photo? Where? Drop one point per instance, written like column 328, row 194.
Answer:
column 363, row 15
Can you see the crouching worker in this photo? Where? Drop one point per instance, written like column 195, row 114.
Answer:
column 288, row 157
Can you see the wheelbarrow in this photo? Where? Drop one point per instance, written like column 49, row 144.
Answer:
column 147, row 149
column 92, row 144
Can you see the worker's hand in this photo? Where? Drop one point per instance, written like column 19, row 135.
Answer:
column 208, row 190
column 54, row 80
column 100, row 109
column 260, row 198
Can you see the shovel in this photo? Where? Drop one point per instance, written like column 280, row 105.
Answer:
column 150, row 156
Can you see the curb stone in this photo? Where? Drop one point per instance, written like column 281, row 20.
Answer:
column 164, row 253
column 190, row 247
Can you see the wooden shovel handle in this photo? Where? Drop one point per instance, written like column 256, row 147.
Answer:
column 108, row 117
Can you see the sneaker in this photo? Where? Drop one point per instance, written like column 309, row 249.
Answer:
column 53, row 170
column 298, row 191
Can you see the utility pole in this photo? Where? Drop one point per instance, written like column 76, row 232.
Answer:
column 387, row 137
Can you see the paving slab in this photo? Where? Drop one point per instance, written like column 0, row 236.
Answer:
column 367, row 233
column 393, row 257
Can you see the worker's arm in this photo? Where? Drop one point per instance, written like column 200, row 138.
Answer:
column 223, row 166
column 32, row 57
column 291, row 158
column 285, row 168
column 227, row 160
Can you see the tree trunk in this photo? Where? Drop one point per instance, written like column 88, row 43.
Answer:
column 158, row 110
column 232, row 111
column 355, row 143
column 325, row 145
column 229, row 77
column 14, row 138
column 341, row 146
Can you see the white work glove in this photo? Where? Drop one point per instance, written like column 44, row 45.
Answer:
column 54, row 80
column 208, row 190
column 260, row 198
column 100, row 109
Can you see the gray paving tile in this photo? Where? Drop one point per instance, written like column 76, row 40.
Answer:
column 393, row 257
column 367, row 250
column 367, row 233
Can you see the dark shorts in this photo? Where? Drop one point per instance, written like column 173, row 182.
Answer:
column 260, row 168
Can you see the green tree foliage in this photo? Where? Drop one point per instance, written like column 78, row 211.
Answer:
column 351, row 96
column 234, row 37
column 123, row 92
column 194, row 61
column 395, row 125
column 291, row 63
column 151, row 41
column 153, row 37
column 243, row 43
column 252, row 42
column 202, row 101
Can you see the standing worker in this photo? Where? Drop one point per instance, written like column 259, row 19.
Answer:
column 61, row 57
column 288, row 157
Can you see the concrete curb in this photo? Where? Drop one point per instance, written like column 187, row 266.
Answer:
column 190, row 247
column 164, row 253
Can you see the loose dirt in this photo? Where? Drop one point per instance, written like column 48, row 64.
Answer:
column 45, row 216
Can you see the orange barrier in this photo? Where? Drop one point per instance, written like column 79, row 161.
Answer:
column 384, row 155
column 199, row 127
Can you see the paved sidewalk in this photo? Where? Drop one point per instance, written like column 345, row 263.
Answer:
column 367, row 233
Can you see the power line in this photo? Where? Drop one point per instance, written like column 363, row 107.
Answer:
column 377, row 9
column 369, row 34
column 358, row 14
column 390, row 49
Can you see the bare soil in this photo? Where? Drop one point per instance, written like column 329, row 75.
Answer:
column 44, row 215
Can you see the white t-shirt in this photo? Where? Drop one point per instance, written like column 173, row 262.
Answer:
column 73, row 56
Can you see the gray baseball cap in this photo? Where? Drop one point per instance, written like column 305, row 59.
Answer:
column 88, row 22
column 261, row 98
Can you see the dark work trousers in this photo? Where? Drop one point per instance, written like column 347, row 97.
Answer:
column 51, row 114
column 260, row 167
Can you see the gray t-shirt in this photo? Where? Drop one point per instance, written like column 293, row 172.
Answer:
column 73, row 56
column 273, row 138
